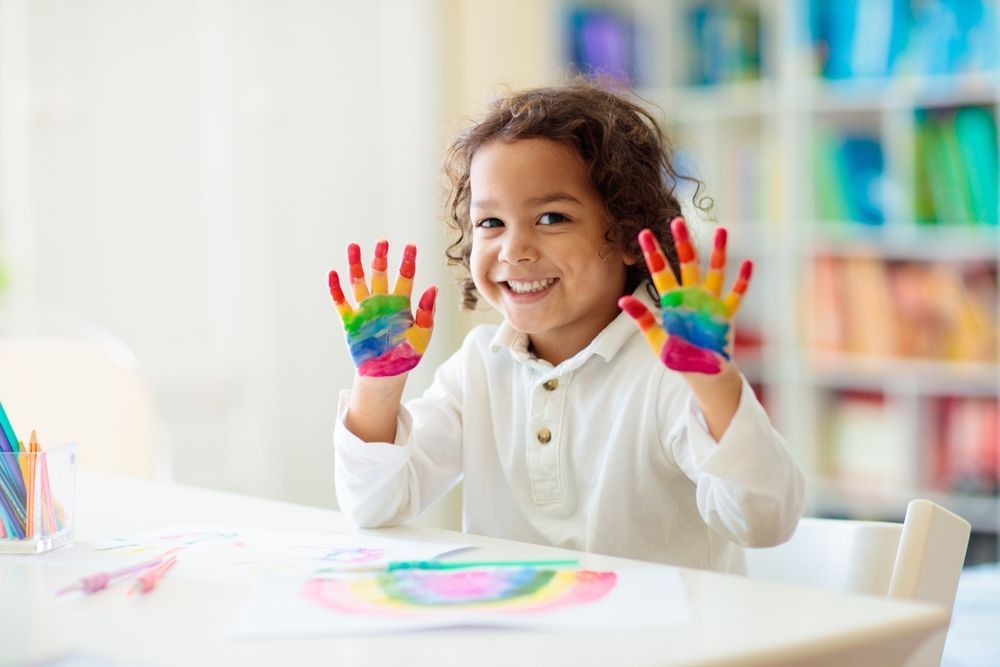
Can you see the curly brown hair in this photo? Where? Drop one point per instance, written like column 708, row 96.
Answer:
column 628, row 158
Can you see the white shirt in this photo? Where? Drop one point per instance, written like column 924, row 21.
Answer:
column 629, row 468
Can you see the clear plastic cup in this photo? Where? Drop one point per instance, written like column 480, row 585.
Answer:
column 37, row 499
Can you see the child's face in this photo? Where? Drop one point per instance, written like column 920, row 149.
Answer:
column 539, row 253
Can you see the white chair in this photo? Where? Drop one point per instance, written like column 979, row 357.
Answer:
column 919, row 559
column 82, row 391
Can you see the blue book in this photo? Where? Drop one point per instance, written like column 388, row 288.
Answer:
column 862, row 165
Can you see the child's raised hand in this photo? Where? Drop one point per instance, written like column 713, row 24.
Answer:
column 385, row 339
column 695, row 331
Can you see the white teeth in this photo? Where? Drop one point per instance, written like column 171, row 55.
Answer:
column 529, row 286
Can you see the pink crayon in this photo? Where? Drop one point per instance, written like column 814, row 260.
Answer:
column 147, row 581
column 101, row 580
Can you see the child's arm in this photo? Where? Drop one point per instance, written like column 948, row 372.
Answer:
column 748, row 487
column 385, row 340
column 695, row 335
column 718, row 396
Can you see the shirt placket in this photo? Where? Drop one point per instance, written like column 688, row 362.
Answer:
column 544, row 439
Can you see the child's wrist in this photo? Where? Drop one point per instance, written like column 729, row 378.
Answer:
column 727, row 377
column 379, row 383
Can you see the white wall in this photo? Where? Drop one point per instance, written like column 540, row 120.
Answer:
column 185, row 172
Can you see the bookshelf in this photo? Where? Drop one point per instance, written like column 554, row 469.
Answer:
column 851, row 149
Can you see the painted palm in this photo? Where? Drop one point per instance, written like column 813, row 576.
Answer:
column 383, row 335
column 694, row 332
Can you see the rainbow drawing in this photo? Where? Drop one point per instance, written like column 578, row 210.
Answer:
column 693, row 334
column 514, row 590
column 383, row 337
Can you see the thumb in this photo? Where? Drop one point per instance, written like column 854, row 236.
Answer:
column 650, row 328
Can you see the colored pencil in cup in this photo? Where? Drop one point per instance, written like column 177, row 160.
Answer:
column 30, row 483
column 12, row 489
column 48, row 505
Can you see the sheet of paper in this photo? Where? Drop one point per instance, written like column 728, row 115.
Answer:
column 508, row 597
column 227, row 554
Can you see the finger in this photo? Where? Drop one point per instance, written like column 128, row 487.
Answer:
column 735, row 296
column 420, row 333
column 404, row 281
column 380, row 283
column 650, row 328
column 690, row 275
column 357, row 273
column 659, row 270
column 717, row 265
column 343, row 307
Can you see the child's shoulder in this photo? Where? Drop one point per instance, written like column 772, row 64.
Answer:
column 481, row 336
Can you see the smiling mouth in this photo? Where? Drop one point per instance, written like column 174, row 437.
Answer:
column 529, row 286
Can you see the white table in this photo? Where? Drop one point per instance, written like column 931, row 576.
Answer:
column 737, row 621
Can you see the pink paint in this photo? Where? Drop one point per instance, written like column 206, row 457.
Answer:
column 682, row 356
column 396, row 361
column 351, row 596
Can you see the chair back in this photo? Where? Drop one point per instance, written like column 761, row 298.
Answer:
column 833, row 554
column 920, row 559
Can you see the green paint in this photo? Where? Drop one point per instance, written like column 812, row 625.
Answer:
column 374, row 307
column 696, row 299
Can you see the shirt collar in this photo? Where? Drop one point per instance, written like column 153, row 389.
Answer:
column 606, row 344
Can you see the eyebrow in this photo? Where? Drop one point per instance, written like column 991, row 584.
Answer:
column 534, row 201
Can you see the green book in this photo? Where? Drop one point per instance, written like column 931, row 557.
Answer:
column 923, row 203
column 830, row 189
column 945, row 174
column 976, row 135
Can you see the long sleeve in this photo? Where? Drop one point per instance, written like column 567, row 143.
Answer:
column 748, row 488
column 382, row 484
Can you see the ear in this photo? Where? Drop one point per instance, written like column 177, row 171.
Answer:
column 629, row 259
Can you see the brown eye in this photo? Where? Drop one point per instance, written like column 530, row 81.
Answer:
column 552, row 218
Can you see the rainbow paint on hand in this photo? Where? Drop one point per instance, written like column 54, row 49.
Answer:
column 384, row 338
column 693, row 335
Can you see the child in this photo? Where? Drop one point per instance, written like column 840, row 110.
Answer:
column 564, row 427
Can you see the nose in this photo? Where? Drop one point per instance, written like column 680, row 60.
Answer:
column 517, row 246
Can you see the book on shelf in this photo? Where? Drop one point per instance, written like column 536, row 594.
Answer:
column 857, row 38
column 848, row 173
column 976, row 136
column 956, row 160
column 965, row 454
column 866, row 306
column 602, row 43
column 872, row 329
column 951, row 36
column 865, row 39
column 725, row 43
column 867, row 442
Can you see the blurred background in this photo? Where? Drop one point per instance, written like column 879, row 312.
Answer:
column 178, row 176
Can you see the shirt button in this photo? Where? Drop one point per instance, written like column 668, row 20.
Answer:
column 551, row 384
column 544, row 436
